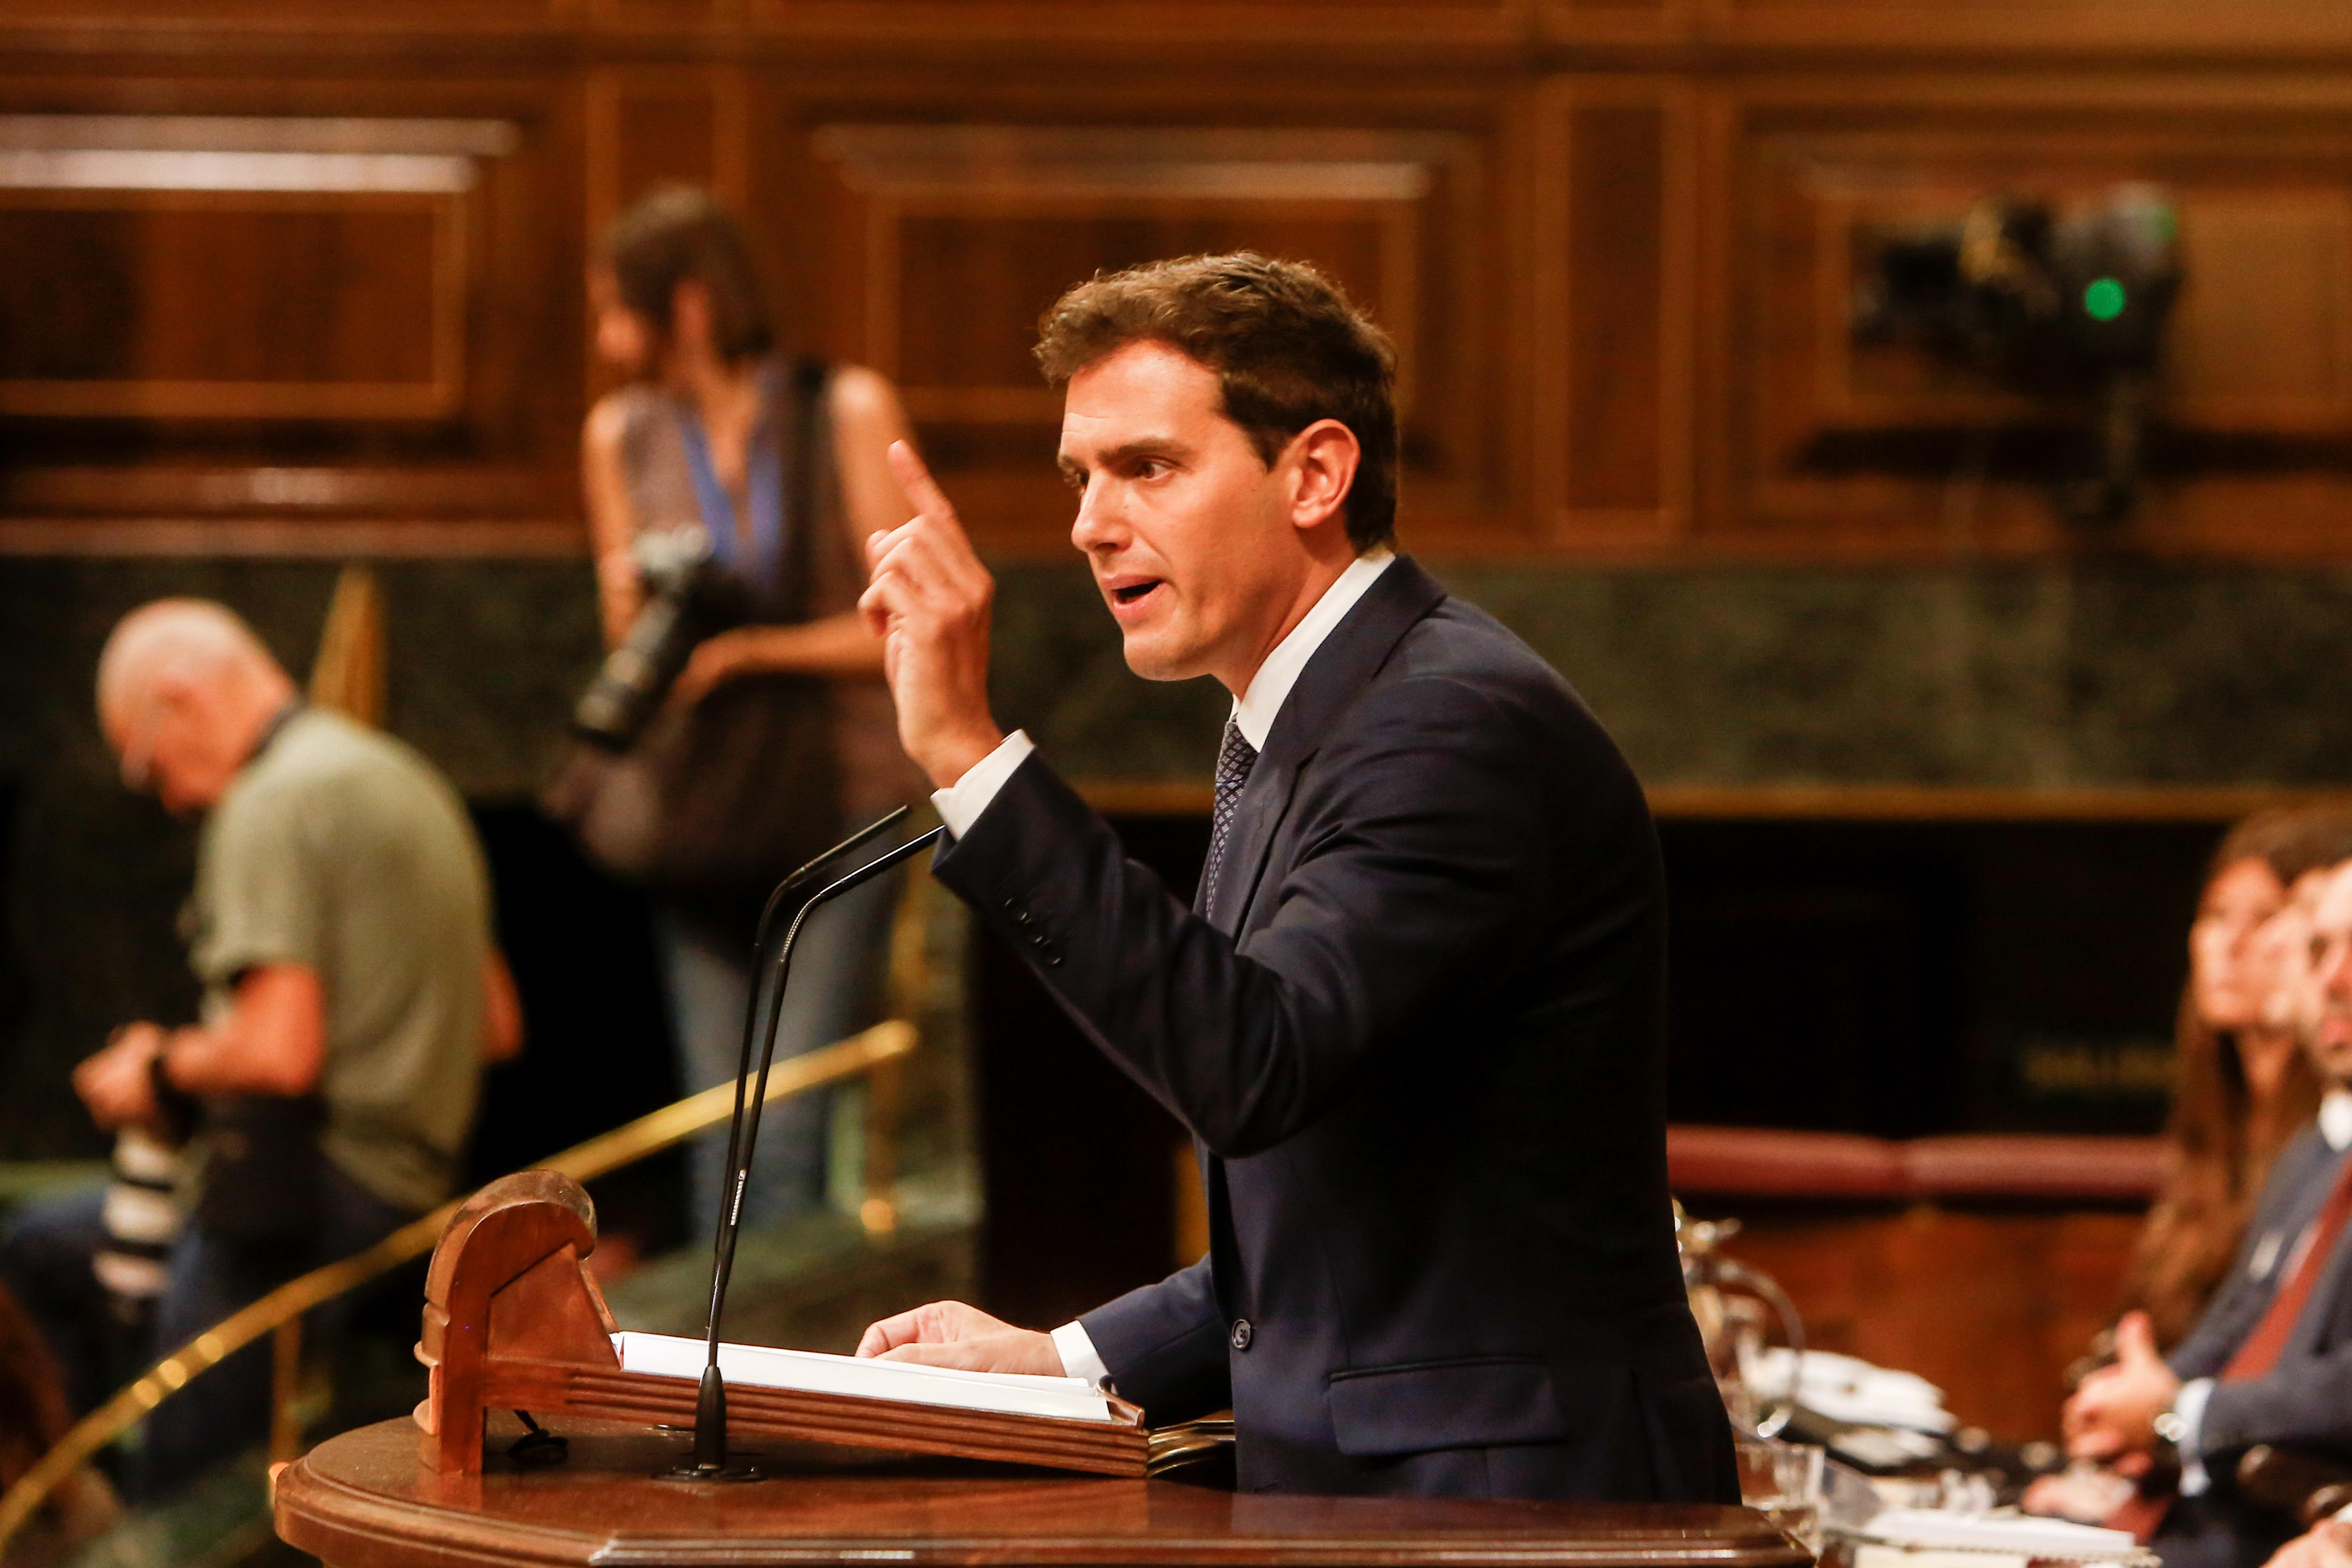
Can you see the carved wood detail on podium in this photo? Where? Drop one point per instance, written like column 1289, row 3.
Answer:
column 513, row 1320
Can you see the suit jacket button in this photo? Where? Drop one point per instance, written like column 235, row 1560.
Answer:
column 1241, row 1333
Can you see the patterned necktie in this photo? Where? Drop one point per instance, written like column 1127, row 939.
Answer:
column 1235, row 758
column 2259, row 1355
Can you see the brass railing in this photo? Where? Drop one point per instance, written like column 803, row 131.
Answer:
column 279, row 1313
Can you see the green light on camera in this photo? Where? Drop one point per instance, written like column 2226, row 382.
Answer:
column 2103, row 299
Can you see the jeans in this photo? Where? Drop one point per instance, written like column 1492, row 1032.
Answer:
column 44, row 1258
column 838, row 961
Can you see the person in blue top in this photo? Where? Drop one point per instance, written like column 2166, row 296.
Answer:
column 779, row 736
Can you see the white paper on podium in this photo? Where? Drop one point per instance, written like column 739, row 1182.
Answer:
column 2028, row 1536
column 812, row 1371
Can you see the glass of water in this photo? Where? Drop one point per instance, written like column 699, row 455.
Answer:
column 1783, row 1482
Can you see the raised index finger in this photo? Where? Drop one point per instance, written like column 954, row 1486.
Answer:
column 921, row 487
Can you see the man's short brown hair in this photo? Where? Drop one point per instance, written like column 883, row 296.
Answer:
column 1287, row 346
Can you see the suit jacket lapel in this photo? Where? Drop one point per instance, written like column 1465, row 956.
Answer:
column 1339, row 671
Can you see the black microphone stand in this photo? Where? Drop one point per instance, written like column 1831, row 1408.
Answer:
column 709, row 1462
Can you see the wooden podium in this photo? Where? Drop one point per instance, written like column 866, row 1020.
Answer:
column 366, row 1499
column 514, row 1320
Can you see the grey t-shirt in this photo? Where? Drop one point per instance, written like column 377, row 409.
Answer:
column 341, row 850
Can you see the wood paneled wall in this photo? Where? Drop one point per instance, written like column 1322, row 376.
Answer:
column 1991, row 1303
column 302, row 275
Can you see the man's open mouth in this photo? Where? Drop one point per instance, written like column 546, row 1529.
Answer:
column 1132, row 592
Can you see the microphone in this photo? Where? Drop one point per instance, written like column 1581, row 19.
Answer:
column 709, row 1462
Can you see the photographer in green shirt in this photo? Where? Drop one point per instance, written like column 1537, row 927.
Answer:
column 341, row 927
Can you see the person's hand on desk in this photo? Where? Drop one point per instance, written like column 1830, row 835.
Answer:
column 928, row 601
column 2112, row 1414
column 949, row 1334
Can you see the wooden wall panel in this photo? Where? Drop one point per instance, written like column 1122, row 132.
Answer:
column 657, row 125
column 2283, row 28
column 332, row 17
column 1192, row 29
column 661, row 17
column 242, row 309
column 956, row 238
column 1990, row 1306
column 1831, row 444
column 1612, row 418
column 232, row 305
column 2262, row 340
column 1604, row 21
column 1617, row 240
column 653, row 125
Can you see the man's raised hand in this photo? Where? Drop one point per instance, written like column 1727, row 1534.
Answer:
column 928, row 599
column 949, row 1334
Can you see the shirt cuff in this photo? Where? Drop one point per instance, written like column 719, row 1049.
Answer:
column 1078, row 1357
column 2189, row 1406
column 962, row 802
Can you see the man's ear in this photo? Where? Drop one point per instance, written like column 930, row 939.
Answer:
column 1324, row 457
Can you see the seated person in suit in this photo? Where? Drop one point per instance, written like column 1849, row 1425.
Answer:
column 2244, row 1086
column 2271, row 1360
column 1413, row 1017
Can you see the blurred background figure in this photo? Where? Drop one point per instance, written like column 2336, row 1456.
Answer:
column 740, row 726
column 339, row 927
column 2266, row 1364
column 2242, row 1087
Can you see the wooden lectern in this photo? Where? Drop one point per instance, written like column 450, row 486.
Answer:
column 513, row 1320
column 366, row 1500
column 513, row 1323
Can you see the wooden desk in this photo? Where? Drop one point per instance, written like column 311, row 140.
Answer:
column 361, row 1500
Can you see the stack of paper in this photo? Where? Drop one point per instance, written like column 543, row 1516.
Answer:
column 812, row 1372
column 2027, row 1537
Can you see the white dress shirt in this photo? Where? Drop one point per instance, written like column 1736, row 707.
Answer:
column 962, row 802
column 1254, row 711
column 2336, row 1126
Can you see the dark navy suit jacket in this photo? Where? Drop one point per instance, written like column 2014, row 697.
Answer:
column 2306, row 1399
column 1419, row 1043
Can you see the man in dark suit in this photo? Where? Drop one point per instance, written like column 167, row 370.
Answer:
column 1413, row 1018
column 2271, row 1361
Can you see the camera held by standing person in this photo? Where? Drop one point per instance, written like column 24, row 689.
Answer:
column 740, row 724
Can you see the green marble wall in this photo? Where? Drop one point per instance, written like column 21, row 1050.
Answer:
column 2048, row 676
column 2095, row 673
